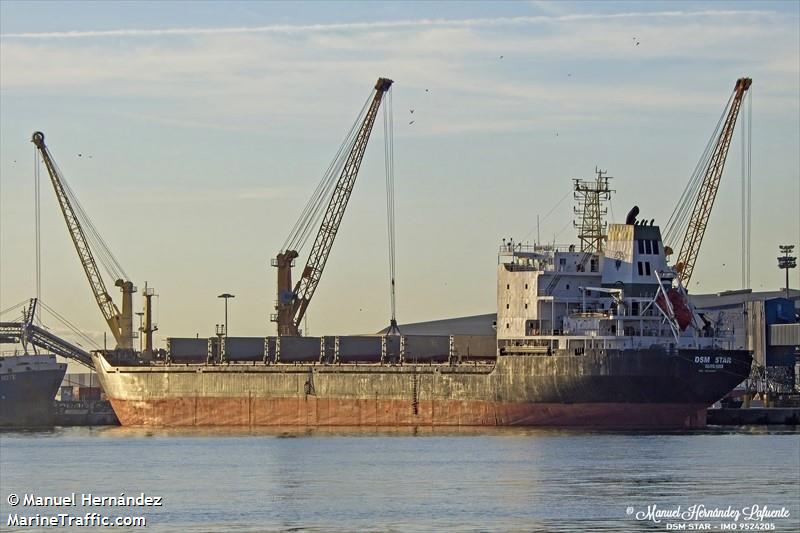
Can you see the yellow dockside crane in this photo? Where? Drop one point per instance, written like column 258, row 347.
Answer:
column 120, row 322
column 698, row 221
column 293, row 302
column 711, row 165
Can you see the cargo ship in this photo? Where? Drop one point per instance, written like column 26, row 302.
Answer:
column 28, row 385
column 598, row 334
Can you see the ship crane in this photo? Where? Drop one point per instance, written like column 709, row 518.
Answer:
column 293, row 302
column 704, row 192
column 120, row 322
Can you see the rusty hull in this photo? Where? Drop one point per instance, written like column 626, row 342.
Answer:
column 624, row 389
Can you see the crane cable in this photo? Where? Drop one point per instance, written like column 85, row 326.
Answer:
column 388, row 149
column 72, row 327
column 679, row 219
column 15, row 306
column 747, row 188
column 37, row 229
column 98, row 245
column 315, row 208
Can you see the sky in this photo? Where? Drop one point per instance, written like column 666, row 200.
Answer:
column 204, row 127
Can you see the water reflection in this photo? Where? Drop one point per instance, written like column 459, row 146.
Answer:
column 290, row 432
column 423, row 479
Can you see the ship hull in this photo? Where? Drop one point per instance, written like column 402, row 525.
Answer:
column 638, row 388
column 28, row 385
column 313, row 411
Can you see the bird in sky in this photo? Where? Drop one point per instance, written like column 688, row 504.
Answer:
column 411, row 111
column 80, row 155
column 501, row 57
column 427, row 90
column 410, row 123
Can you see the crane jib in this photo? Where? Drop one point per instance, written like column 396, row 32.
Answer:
column 710, row 185
column 120, row 323
column 290, row 311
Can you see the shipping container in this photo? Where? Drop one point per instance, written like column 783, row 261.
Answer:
column 784, row 340
column 87, row 394
column 784, row 335
column 779, row 311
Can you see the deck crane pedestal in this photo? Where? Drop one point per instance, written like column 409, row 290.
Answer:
column 120, row 322
column 292, row 302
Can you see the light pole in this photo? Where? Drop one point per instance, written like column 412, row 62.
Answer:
column 226, row 296
column 786, row 262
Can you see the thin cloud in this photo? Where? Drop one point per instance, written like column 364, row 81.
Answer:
column 382, row 25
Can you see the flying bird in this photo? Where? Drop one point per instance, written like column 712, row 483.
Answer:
column 410, row 123
column 427, row 90
column 411, row 111
column 501, row 57
column 80, row 155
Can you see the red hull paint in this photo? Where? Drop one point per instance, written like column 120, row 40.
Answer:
column 313, row 411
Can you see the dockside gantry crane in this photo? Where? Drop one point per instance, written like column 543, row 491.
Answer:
column 292, row 302
column 120, row 323
column 704, row 201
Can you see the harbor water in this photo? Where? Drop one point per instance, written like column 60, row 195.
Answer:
column 405, row 480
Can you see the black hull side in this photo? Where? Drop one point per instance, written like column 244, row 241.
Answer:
column 26, row 398
column 634, row 376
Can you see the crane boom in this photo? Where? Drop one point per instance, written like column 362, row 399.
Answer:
column 121, row 324
column 709, row 187
column 292, row 307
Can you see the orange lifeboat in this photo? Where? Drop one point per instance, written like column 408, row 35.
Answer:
column 680, row 307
